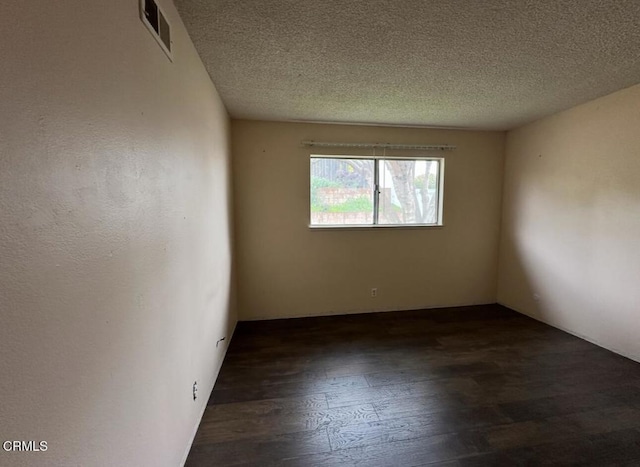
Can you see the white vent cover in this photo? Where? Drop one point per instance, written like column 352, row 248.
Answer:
column 156, row 22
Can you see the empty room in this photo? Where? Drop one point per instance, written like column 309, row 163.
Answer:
column 319, row 233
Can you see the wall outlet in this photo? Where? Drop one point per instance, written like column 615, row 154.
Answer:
column 536, row 297
column 195, row 390
column 374, row 292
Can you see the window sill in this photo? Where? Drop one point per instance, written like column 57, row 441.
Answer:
column 377, row 226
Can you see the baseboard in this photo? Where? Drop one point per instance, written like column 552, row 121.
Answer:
column 185, row 455
column 204, row 407
column 635, row 358
column 374, row 310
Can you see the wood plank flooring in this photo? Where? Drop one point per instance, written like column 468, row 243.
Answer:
column 469, row 386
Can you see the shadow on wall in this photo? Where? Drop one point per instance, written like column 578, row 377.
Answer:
column 105, row 383
column 568, row 253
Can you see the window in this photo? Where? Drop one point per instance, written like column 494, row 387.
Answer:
column 360, row 191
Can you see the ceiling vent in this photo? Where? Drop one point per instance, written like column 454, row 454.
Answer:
column 156, row 22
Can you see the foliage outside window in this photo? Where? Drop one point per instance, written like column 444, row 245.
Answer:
column 351, row 191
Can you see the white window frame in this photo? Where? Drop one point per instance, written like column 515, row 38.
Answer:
column 376, row 192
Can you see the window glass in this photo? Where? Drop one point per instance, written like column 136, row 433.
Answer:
column 341, row 191
column 375, row 191
column 408, row 191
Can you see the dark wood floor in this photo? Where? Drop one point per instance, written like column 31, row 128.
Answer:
column 473, row 386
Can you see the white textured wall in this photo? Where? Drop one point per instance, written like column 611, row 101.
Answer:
column 571, row 221
column 286, row 269
column 115, row 252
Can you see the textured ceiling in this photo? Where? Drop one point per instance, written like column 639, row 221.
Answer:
column 492, row 64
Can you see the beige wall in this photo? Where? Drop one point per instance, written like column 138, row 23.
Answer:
column 571, row 221
column 114, row 235
column 285, row 269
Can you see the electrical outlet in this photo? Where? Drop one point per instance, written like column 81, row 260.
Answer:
column 374, row 292
column 195, row 390
column 536, row 297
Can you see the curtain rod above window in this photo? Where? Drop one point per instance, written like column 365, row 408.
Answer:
column 427, row 147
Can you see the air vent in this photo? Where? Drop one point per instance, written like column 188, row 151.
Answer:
column 156, row 22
